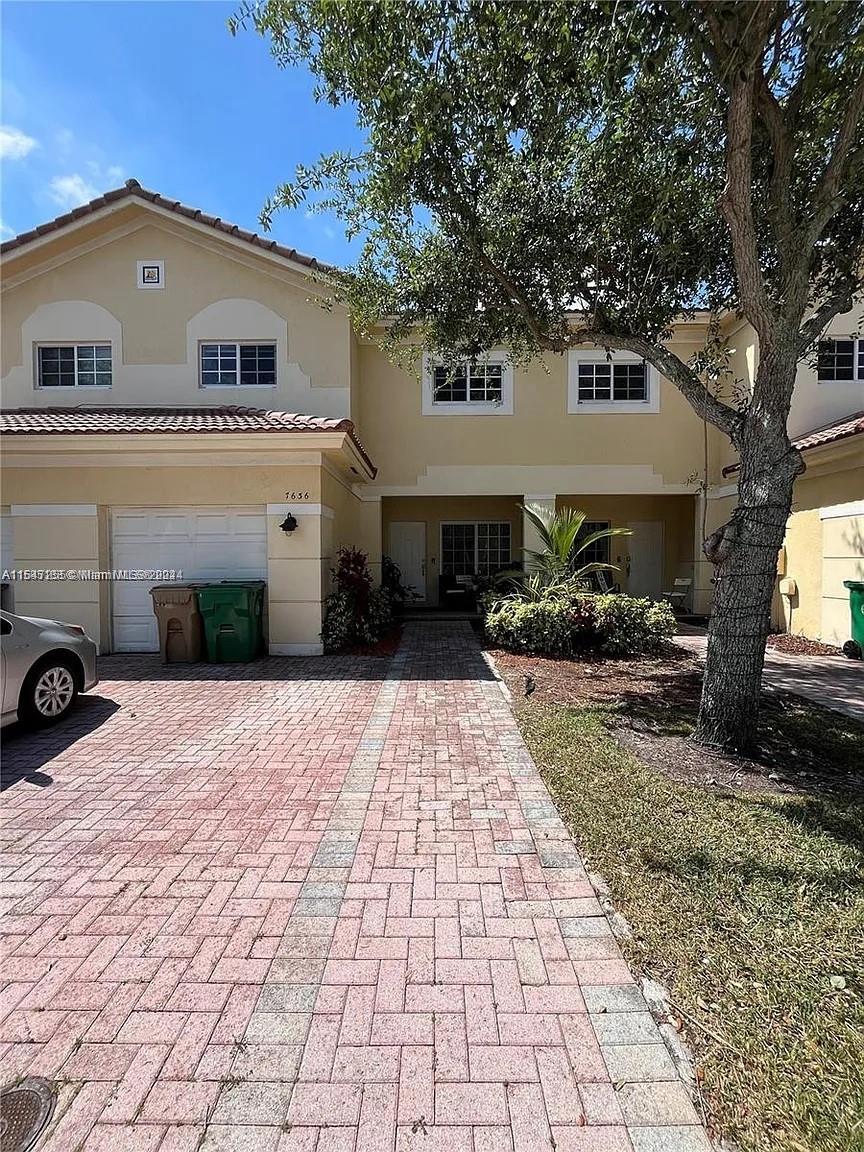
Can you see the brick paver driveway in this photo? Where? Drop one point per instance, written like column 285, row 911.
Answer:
column 315, row 906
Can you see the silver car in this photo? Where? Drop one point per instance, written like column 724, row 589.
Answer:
column 45, row 665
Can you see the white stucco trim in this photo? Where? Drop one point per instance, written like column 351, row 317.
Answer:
column 577, row 356
column 296, row 649
column 53, row 509
column 834, row 511
column 433, row 407
column 513, row 479
column 139, row 278
column 301, row 510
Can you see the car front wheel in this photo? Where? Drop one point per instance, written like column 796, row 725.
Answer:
column 49, row 693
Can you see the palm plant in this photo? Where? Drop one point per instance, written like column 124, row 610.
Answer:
column 558, row 560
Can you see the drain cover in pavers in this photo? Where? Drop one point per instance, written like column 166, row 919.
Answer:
column 25, row 1110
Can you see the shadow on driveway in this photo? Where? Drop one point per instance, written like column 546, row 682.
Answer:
column 26, row 750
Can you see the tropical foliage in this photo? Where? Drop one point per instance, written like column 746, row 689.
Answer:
column 562, row 544
column 544, row 175
column 355, row 613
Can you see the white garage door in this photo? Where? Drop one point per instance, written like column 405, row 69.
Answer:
column 842, row 559
column 202, row 543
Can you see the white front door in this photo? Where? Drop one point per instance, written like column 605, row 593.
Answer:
column 203, row 543
column 645, row 550
column 408, row 553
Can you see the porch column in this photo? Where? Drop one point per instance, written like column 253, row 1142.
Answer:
column 295, row 579
column 530, row 539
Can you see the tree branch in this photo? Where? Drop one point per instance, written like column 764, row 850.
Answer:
column 837, row 303
column 703, row 402
column 828, row 199
column 741, row 53
column 736, row 207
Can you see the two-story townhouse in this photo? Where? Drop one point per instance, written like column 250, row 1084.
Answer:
column 155, row 360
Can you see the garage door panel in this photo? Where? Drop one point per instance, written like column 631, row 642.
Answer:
column 202, row 543
column 842, row 559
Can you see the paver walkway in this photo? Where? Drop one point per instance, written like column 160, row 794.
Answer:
column 832, row 681
column 316, row 906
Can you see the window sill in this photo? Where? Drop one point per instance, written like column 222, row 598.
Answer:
column 237, row 387
column 467, row 409
column 51, row 388
column 603, row 408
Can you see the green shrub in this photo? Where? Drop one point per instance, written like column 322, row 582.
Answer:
column 567, row 623
column 355, row 613
column 630, row 627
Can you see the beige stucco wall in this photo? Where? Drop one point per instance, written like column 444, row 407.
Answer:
column 352, row 523
column 820, row 551
column 213, row 291
column 540, row 448
column 294, row 563
column 813, row 404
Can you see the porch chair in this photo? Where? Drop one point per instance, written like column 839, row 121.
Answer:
column 677, row 598
column 603, row 583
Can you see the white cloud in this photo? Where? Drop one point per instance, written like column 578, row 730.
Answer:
column 5, row 230
column 15, row 144
column 70, row 191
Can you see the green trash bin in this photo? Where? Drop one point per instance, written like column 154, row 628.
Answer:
column 856, row 611
column 232, row 614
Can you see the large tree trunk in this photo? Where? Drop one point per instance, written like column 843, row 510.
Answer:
column 744, row 553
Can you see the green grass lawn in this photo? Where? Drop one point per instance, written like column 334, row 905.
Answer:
column 748, row 906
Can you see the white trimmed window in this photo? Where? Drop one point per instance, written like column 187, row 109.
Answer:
column 840, row 360
column 620, row 383
column 469, row 549
column 74, row 365
column 472, row 387
column 238, row 365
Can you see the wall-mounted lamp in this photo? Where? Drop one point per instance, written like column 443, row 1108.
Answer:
column 289, row 524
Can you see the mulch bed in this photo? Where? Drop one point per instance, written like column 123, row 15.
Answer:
column 801, row 646
column 652, row 704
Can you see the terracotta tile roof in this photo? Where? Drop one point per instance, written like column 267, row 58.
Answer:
column 128, row 421
column 839, row 430
column 829, row 434
column 133, row 189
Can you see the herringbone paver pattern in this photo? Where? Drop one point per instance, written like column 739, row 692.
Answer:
column 316, row 906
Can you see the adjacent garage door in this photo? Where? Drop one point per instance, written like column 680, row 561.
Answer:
column 842, row 559
column 202, row 543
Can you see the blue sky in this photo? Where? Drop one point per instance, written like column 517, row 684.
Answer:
column 95, row 93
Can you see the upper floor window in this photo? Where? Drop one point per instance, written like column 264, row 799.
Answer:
column 469, row 388
column 74, row 365
column 597, row 382
column 605, row 381
column 840, row 360
column 469, row 383
column 238, row 365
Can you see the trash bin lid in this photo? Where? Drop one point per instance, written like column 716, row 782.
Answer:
column 854, row 585
column 173, row 593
